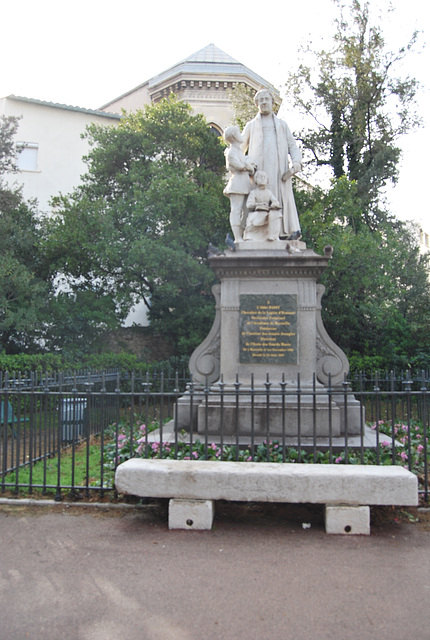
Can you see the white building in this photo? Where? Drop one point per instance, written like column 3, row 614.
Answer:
column 49, row 145
column 49, row 140
column 204, row 80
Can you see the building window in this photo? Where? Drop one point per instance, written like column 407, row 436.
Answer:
column 215, row 129
column 26, row 156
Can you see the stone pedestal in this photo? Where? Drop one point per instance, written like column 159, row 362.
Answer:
column 191, row 514
column 268, row 334
column 349, row 520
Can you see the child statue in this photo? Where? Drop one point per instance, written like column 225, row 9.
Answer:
column 265, row 217
column 239, row 183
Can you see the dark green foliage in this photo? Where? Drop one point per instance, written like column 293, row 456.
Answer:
column 24, row 274
column 139, row 225
column 31, row 362
column 377, row 299
column 125, row 362
column 78, row 321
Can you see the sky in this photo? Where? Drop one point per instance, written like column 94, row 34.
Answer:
column 87, row 52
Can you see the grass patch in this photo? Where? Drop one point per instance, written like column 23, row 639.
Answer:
column 82, row 467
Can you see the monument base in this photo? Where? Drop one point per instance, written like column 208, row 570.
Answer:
column 268, row 366
column 309, row 414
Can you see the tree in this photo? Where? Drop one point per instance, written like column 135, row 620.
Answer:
column 377, row 299
column 377, row 287
column 24, row 277
column 139, row 225
column 359, row 106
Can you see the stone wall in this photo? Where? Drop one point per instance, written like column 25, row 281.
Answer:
column 140, row 342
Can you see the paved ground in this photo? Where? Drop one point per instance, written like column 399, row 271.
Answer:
column 76, row 575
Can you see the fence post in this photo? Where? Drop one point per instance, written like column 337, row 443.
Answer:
column 5, row 429
column 175, row 424
column 345, row 404
column 103, row 414
column 330, row 425
column 267, row 384
column 191, row 388
column 206, row 392
column 237, row 390
column 424, row 396
column 161, row 413
column 299, row 419
column 407, row 385
column 87, row 421
column 314, row 417
column 283, row 384
column 221, row 415
column 252, row 417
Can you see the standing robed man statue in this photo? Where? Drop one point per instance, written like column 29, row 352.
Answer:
column 272, row 148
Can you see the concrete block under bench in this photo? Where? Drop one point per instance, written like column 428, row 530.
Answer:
column 191, row 514
column 331, row 484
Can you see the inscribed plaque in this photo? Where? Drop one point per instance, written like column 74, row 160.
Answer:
column 268, row 329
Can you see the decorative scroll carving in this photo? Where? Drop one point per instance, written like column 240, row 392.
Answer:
column 331, row 360
column 205, row 360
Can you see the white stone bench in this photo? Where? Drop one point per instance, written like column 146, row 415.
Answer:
column 346, row 490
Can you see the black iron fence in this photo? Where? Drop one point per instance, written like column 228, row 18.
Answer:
column 67, row 433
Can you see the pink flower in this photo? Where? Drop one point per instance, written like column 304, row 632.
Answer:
column 122, row 440
column 404, row 455
column 420, row 448
column 385, row 443
column 338, row 460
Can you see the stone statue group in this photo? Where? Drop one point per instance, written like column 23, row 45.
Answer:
column 262, row 206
